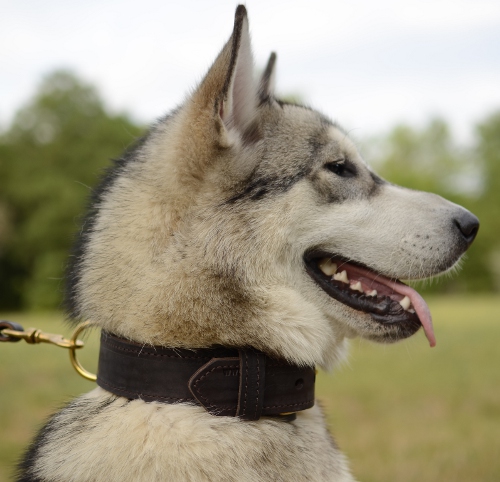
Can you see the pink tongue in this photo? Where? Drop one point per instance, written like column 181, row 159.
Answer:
column 417, row 301
column 420, row 306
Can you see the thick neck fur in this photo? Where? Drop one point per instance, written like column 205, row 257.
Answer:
column 101, row 437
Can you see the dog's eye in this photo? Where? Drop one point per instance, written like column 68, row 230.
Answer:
column 341, row 168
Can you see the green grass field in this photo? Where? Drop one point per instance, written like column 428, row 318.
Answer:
column 401, row 412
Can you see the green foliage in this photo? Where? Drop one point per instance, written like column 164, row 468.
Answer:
column 426, row 160
column 50, row 157
column 487, row 205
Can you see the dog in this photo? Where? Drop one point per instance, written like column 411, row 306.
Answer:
column 246, row 222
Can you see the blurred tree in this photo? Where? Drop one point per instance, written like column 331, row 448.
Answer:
column 487, row 205
column 425, row 159
column 50, row 157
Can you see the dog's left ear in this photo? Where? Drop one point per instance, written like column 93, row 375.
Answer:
column 229, row 89
column 268, row 79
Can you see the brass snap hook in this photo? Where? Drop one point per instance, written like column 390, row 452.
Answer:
column 12, row 332
column 76, row 344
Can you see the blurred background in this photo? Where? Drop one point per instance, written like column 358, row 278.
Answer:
column 415, row 83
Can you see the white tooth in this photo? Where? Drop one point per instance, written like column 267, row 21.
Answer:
column 411, row 311
column 357, row 287
column 341, row 277
column 372, row 293
column 405, row 303
column 327, row 266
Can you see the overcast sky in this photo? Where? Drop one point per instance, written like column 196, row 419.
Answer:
column 367, row 64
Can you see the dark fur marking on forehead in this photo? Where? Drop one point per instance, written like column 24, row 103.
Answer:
column 260, row 187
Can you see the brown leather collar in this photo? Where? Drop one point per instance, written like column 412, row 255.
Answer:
column 235, row 382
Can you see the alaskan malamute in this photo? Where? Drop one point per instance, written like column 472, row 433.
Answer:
column 235, row 248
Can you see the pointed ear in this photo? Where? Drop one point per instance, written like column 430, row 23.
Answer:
column 239, row 99
column 268, row 79
column 229, row 86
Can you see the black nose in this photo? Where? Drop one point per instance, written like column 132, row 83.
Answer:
column 468, row 226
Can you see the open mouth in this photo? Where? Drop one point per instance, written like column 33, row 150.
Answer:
column 388, row 302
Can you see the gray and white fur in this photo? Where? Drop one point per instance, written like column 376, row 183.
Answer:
column 197, row 237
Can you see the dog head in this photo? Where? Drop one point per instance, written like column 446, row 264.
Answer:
column 226, row 224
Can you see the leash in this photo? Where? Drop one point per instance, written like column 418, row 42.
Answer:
column 14, row 332
column 236, row 382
